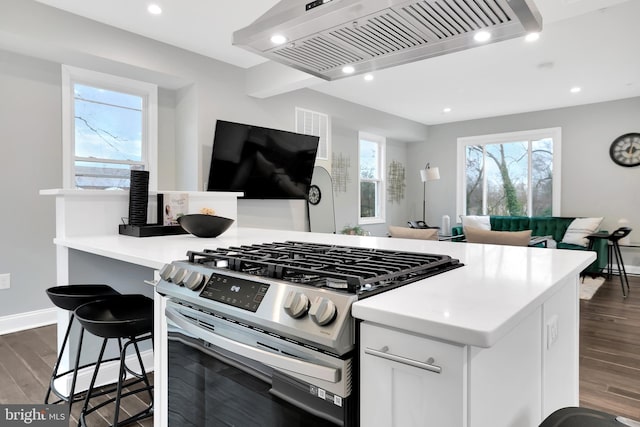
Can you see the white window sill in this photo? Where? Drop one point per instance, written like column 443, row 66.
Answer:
column 371, row 221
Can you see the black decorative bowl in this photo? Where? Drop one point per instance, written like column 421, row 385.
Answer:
column 205, row 225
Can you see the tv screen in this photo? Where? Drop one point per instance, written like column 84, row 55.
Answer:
column 261, row 162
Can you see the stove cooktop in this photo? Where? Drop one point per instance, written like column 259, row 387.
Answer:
column 361, row 271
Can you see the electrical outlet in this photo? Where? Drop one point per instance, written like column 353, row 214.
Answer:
column 552, row 330
column 5, row 281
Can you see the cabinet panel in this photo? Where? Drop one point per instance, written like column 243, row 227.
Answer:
column 400, row 384
column 560, row 357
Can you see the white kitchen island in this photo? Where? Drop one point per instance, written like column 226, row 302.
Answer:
column 502, row 330
column 496, row 342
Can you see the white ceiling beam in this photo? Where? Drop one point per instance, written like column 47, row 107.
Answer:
column 270, row 79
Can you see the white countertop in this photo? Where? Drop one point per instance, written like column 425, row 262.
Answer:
column 476, row 304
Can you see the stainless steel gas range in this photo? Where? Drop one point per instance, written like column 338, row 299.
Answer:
column 262, row 335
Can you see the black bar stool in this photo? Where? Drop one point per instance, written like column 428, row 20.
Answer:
column 127, row 317
column 583, row 417
column 69, row 298
column 614, row 249
column 614, row 238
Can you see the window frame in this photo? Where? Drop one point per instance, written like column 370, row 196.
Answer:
column 529, row 135
column 382, row 147
column 147, row 91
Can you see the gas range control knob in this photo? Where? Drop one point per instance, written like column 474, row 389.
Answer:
column 166, row 271
column 194, row 280
column 296, row 304
column 178, row 276
column 323, row 311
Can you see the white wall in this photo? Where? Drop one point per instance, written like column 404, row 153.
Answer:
column 166, row 137
column 31, row 152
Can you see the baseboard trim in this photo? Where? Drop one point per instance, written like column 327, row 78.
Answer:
column 23, row 321
column 108, row 373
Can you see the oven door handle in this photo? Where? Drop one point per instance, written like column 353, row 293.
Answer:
column 276, row 361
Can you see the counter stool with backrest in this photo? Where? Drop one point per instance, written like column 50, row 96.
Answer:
column 69, row 298
column 121, row 317
column 584, row 417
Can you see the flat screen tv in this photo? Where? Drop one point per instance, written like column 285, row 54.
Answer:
column 261, row 162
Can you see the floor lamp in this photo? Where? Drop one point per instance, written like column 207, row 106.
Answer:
column 427, row 174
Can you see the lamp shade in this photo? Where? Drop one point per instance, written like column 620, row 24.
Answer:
column 429, row 174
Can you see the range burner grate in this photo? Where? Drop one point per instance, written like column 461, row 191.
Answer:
column 363, row 271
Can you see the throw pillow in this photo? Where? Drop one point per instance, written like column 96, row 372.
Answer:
column 511, row 238
column 476, row 221
column 414, row 233
column 579, row 229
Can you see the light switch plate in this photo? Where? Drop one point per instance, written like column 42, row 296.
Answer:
column 5, row 281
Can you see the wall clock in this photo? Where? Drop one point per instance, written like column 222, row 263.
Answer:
column 625, row 150
column 314, row 195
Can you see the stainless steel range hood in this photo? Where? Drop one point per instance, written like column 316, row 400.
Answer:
column 323, row 36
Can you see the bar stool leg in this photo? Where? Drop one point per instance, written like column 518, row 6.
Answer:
column 145, row 379
column 624, row 280
column 54, row 376
column 119, row 386
column 75, row 371
column 85, row 405
column 140, row 377
column 121, row 377
column 57, row 364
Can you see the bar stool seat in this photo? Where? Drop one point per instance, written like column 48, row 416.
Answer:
column 584, row 417
column 119, row 317
column 70, row 297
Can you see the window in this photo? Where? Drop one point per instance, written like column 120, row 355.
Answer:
column 510, row 174
column 109, row 129
column 371, row 162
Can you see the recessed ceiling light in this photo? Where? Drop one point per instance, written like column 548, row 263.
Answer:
column 348, row 69
column 576, row 89
column 446, row 110
column 278, row 39
column 368, row 77
column 482, row 36
column 531, row 37
column 154, row 9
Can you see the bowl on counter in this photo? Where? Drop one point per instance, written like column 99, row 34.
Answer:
column 202, row 225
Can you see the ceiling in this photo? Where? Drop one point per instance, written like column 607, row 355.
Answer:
column 591, row 44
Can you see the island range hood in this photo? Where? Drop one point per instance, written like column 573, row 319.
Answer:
column 322, row 37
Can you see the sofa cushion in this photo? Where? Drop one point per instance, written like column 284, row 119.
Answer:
column 481, row 222
column 579, row 229
column 510, row 223
column 512, row 238
column 550, row 226
column 414, row 233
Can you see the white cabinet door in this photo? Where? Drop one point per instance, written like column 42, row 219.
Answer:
column 402, row 387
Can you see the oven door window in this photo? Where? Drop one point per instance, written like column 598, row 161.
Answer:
column 210, row 388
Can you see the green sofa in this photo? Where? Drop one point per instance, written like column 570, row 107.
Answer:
column 546, row 226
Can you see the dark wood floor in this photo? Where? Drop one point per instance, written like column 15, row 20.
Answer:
column 26, row 362
column 610, row 350
column 609, row 357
